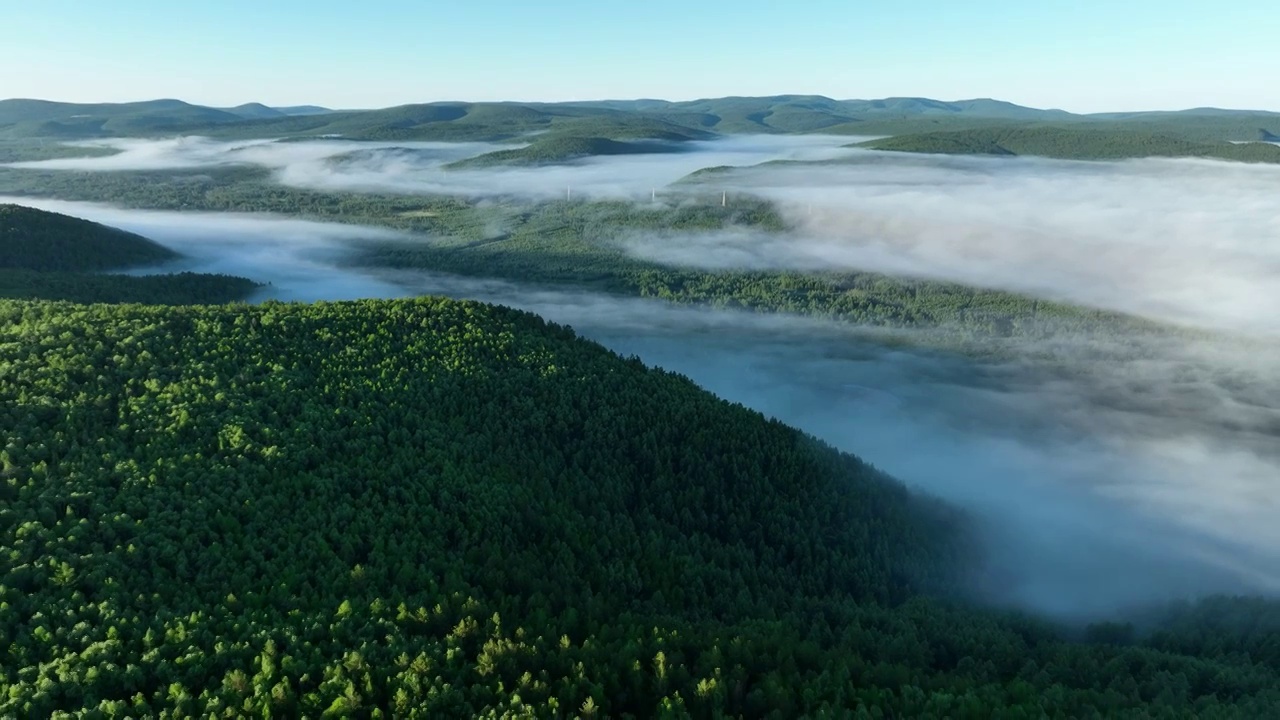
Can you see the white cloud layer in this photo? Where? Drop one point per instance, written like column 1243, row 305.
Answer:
column 1107, row 482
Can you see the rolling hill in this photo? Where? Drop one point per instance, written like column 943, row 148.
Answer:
column 812, row 113
column 550, row 150
column 468, row 121
column 495, row 121
column 41, row 118
column 38, row 240
column 183, row 288
column 303, row 110
column 50, row 256
column 20, row 110
column 431, row 508
column 255, row 111
column 1074, row 143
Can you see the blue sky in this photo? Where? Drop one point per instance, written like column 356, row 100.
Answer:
column 1089, row 55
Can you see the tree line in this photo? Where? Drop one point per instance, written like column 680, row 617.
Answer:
column 431, row 508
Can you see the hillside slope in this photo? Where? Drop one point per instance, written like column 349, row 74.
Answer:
column 552, row 150
column 33, row 239
column 432, row 508
column 1073, row 143
column 51, row 256
column 183, row 288
column 43, row 118
column 495, row 121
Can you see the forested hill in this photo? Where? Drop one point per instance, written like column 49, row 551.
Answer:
column 431, row 508
column 50, row 256
column 612, row 119
column 32, row 239
column 1073, row 143
column 559, row 149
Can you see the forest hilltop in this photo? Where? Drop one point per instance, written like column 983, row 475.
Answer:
column 438, row 508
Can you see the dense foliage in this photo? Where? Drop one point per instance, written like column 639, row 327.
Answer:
column 184, row 288
column 50, row 256
column 32, row 239
column 579, row 243
column 561, row 148
column 433, row 508
column 1073, row 143
column 12, row 151
column 22, row 118
column 618, row 120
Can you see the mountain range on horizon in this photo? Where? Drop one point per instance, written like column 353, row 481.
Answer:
column 905, row 104
column 609, row 119
column 896, row 103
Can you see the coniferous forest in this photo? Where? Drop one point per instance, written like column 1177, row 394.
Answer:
column 436, row 508
column 50, row 256
column 433, row 508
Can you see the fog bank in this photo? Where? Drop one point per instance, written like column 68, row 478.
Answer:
column 1087, row 509
column 1105, row 476
column 418, row 167
column 1184, row 241
column 301, row 260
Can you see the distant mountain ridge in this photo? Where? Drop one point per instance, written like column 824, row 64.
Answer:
column 254, row 111
column 50, row 256
column 1072, row 143
column 610, row 119
column 33, row 239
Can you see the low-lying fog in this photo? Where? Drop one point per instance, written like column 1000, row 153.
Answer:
column 1184, row 241
column 301, row 260
column 1098, row 498
column 418, row 167
column 1113, row 475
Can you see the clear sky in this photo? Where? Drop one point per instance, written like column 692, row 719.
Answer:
column 1088, row 55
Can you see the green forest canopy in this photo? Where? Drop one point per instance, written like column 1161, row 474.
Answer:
column 616, row 119
column 431, row 508
column 51, row 256
column 183, row 288
column 1072, row 143
column 33, row 239
column 559, row 148
column 576, row 244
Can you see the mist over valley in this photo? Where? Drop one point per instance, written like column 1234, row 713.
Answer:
column 1060, row 332
column 1110, row 472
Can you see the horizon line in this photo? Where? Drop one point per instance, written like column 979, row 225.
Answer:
column 641, row 99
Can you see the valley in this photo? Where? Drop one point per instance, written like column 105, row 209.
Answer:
column 1033, row 411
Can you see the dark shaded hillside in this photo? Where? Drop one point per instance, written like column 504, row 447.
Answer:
column 255, row 111
column 337, row 455
column 465, row 121
column 1074, row 143
column 26, row 150
column 50, row 256
column 613, row 119
column 432, row 508
column 299, row 110
column 815, row 113
column 32, row 239
column 20, row 110
column 184, row 288
column 42, row 118
column 559, row 149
